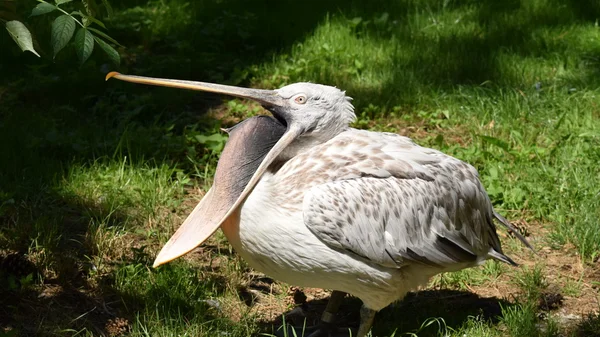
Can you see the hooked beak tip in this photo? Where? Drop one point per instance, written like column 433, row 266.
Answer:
column 111, row 75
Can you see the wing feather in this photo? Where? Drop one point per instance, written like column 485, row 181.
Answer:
column 396, row 203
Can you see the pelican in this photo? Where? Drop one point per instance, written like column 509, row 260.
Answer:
column 308, row 200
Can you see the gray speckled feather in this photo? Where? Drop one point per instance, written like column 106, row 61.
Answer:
column 394, row 203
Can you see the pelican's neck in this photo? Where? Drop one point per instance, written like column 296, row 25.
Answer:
column 305, row 143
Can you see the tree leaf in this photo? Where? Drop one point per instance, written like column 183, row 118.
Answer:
column 96, row 21
column 60, row 2
column 87, row 20
column 62, row 31
column 109, row 10
column 101, row 33
column 89, row 6
column 42, row 8
column 84, row 44
column 21, row 35
column 113, row 55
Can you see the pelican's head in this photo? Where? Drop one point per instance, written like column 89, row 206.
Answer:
column 318, row 112
column 318, row 109
column 312, row 111
column 310, row 114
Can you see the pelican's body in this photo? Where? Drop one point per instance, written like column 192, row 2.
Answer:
column 273, row 231
column 310, row 201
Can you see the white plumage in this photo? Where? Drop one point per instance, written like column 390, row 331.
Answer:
column 345, row 214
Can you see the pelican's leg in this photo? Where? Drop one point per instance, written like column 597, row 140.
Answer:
column 335, row 300
column 366, row 321
column 326, row 326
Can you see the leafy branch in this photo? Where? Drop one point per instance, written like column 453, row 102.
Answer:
column 63, row 30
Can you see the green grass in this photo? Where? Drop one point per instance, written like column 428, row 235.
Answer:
column 521, row 320
column 97, row 175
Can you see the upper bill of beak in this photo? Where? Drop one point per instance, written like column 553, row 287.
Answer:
column 267, row 98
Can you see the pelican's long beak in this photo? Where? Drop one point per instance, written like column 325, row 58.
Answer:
column 252, row 147
column 267, row 98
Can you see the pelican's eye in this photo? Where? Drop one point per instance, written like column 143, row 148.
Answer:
column 300, row 99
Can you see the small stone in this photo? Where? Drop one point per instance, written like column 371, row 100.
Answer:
column 213, row 304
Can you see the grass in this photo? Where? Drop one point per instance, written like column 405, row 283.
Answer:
column 96, row 176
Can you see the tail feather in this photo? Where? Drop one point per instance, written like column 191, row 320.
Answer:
column 499, row 256
column 513, row 230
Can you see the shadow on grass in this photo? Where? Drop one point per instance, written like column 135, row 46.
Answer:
column 59, row 290
column 452, row 306
column 589, row 327
column 69, row 264
column 53, row 309
column 59, row 298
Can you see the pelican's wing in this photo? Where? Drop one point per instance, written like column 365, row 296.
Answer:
column 399, row 203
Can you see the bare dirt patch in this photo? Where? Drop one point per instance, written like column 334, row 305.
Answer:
column 39, row 310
